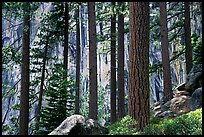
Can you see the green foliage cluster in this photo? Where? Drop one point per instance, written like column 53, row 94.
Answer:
column 103, row 18
column 10, row 56
column 13, row 126
column 14, row 10
column 187, row 124
column 59, row 99
column 196, row 42
column 122, row 127
column 102, row 101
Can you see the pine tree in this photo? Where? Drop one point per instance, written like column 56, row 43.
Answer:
column 93, row 107
column 187, row 34
column 138, row 81
column 24, row 97
column 78, row 56
column 113, row 67
column 55, row 96
column 66, row 45
column 168, row 94
column 121, row 88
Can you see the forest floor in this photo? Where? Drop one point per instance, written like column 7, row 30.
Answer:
column 186, row 124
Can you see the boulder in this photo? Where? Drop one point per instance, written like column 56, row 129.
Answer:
column 161, row 101
column 174, row 107
column 179, row 105
column 193, row 78
column 178, row 93
column 167, row 114
column 157, row 108
column 157, row 113
column 168, row 103
column 164, row 107
column 181, row 86
column 196, row 99
column 78, row 125
column 156, row 104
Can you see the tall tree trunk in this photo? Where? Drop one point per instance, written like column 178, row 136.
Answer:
column 165, row 53
column 41, row 87
column 187, row 34
column 24, row 96
column 113, row 67
column 138, row 81
column 121, row 94
column 93, row 107
column 78, row 55
column 66, row 38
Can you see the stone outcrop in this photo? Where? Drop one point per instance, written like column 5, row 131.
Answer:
column 78, row 125
column 186, row 97
column 194, row 78
column 196, row 99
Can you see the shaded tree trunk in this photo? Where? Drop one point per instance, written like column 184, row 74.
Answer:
column 93, row 107
column 138, row 81
column 41, row 88
column 66, row 35
column 66, row 45
column 121, row 92
column 187, row 36
column 113, row 68
column 24, row 93
column 78, row 55
column 165, row 53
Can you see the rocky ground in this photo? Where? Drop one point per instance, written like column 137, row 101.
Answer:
column 186, row 97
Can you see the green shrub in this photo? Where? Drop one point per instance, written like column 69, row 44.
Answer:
column 122, row 127
column 155, row 120
column 187, row 124
column 196, row 42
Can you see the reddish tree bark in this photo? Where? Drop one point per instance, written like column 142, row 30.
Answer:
column 138, row 81
column 165, row 53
